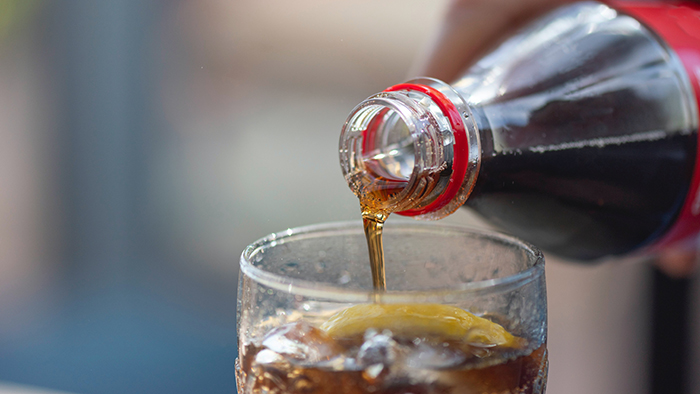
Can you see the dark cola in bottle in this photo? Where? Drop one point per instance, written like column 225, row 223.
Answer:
column 578, row 134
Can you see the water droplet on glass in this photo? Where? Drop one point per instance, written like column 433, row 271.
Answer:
column 344, row 278
column 320, row 267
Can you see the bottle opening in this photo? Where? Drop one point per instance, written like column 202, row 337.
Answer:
column 388, row 148
column 383, row 160
column 406, row 150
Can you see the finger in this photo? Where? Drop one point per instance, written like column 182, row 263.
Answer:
column 471, row 27
column 678, row 263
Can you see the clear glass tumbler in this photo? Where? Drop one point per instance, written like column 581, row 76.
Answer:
column 465, row 311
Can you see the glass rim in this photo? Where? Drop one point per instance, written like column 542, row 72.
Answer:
column 337, row 293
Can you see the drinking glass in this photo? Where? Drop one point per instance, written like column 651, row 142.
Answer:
column 465, row 311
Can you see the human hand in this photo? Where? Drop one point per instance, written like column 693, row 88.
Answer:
column 678, row 263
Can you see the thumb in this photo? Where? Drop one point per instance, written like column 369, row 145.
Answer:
column 678, row 263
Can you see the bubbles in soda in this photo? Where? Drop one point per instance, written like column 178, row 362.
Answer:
column 301, row 358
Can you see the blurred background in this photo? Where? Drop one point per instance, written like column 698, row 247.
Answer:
column 144, row 143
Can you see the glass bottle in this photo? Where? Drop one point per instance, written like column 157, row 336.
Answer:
column 578, row 134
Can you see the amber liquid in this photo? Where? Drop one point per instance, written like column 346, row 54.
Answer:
column 377, row 193
column 373, row 231
column 519, row 371
column 374, row 195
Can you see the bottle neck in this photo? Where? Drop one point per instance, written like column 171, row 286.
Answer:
column 413, row 149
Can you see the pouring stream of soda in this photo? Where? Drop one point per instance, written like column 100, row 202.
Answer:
column 374, row 225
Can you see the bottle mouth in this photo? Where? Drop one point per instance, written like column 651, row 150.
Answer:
column 391, row 161
column 406, row 150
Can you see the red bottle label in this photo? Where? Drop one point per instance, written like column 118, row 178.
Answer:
column 678, row 24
